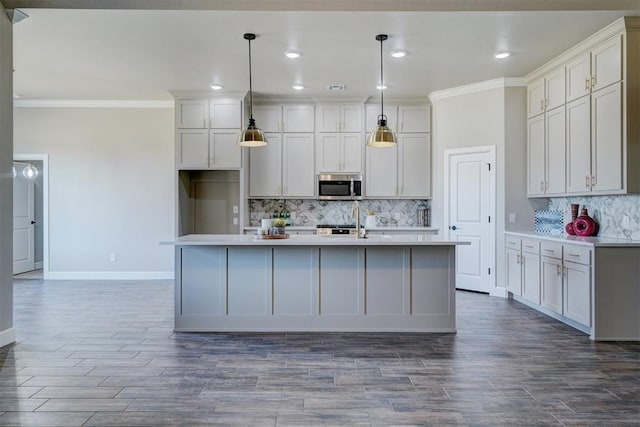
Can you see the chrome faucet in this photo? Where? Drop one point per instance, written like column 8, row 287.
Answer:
column 355, row 211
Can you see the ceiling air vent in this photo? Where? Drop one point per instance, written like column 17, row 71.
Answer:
column 337, row 87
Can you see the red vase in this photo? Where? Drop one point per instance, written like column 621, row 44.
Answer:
column 569, row 229
column 584, row 225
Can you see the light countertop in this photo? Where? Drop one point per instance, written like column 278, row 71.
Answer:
column 385, row 228
column 313, row 240
column 579, row 240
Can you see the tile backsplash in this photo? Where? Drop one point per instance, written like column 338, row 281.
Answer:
column 618, row 216
column 313, row 212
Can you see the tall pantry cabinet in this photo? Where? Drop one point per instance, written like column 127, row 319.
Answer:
column 208, row 164
column 589, row 144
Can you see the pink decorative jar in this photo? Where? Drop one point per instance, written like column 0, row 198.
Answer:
column 584, row 225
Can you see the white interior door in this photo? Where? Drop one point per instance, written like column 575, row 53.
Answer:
column 23, row 222
column 470, row 202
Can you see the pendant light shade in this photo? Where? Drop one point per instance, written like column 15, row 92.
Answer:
column 382, row 136
column 252, row 136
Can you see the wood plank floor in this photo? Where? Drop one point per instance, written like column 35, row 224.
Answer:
column 104, row 354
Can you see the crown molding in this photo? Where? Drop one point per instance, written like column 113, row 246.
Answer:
column 90, row 103
column 477, row 87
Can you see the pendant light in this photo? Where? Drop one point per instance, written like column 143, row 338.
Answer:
column 252, row 136
column 382, row 136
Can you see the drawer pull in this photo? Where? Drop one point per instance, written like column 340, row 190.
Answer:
column 549, row 250
column 575, row 255
column 528, row 246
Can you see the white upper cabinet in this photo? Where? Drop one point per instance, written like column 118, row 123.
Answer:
column 372, row 111
column 600, row 119
column 535, row 156
column 284, row 168
column 579, row 77
column 265, row 168
column 268, row 117
column 205, row 149
column 414, row 118
column 596, row 69
column 606, row 63
column 192, row 114
column 298, row 118
column 298, row 179
column 414, row 165
column 224, row 153
column 225, row 114
column 192, row 148
column 339, row 152
column 400, row 172
column 339, row 117
column 546, row 93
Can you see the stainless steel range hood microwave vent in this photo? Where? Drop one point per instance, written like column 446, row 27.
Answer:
column 339, row 187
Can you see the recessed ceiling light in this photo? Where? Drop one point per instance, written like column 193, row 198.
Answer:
column 298, row 87
column 216, row 87
column 399, row 53
column 502, row 55
column 291, row 54
column 381, row 87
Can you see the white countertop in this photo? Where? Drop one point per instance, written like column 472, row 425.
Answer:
column 390, row 228
column 579, row 240
column 313, row 240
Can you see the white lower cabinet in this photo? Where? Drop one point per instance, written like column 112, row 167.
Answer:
column 554, row 276
column 551, row 283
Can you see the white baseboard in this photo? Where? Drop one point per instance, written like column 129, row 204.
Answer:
column 7, row 337
column 108, row 275
column 499, row 292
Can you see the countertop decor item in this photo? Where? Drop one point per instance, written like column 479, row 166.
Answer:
column 569, row 228
column 584, row 225
column 548, row 222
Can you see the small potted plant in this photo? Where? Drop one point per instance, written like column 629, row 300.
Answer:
column 279, row 226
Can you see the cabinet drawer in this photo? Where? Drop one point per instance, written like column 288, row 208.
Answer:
column 577, row 254
column 531, row 246
column 551, row 249
column 512, row 242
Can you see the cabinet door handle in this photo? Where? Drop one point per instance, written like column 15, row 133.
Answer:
column 565, row 271
column 518, row 259
column 204, row 123
column 586, row 181
column 542, row 105
column 593, row 81
column 541, row 185
column 546, row 103
column 558, row 268
column 586, row 84
column 593, row 181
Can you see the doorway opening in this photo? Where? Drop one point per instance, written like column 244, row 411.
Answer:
column 31, row 217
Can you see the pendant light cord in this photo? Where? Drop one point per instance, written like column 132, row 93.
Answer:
column 250, row 87
column 381, row 82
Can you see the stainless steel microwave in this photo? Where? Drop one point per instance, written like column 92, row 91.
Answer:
column 339, row 187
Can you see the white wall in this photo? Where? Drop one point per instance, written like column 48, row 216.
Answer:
column 489, row 115
column 7, row 334
column 111, row 188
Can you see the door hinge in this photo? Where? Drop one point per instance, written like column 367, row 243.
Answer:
column 489, row 218
column 489, row 271
column 489, row 166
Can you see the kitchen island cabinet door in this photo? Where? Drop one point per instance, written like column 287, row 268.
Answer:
column 297, row 165
column 265, row 168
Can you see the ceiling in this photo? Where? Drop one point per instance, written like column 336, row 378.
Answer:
column 140, row 53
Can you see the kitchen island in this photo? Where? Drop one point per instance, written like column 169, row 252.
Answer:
column 384, row 283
